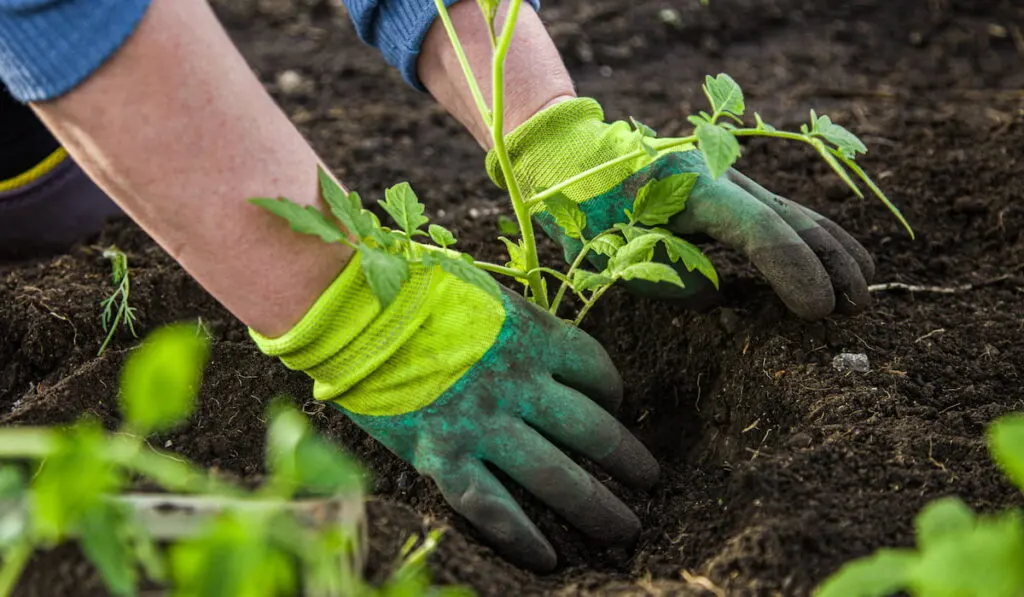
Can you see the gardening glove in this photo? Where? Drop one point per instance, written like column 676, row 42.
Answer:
column 451, row 378
column 813, row 265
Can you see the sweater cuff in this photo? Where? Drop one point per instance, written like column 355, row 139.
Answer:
column 397, row 29
column 47, row 48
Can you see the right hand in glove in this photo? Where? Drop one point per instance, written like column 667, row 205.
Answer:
column 450, row 378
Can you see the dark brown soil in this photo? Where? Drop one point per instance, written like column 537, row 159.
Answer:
column 777, row 468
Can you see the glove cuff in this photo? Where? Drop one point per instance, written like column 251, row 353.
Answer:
column 346, row 334
column 389, row 361
column 562, row 141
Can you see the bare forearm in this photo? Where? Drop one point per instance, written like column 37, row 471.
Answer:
column 179, row 132
column 535, row 75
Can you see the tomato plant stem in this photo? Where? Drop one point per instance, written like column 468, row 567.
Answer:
column 534, row 279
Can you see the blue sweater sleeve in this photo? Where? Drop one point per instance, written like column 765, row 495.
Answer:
column 397, row 28
column 47, row 47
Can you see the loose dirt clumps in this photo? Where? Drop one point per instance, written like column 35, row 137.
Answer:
column 776, row 467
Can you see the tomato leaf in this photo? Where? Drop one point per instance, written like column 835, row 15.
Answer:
column 385, row 273
column 725, row 94
column 303, row 219
column 405, row 209
column 567, row 215
column 719, row 146
column 657, row 201
column 441, row 235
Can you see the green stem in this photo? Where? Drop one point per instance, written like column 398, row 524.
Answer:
column 558, row 188
column 551, row 272
column 532, row 262
column 776, row 134
column 593, row 299
column 467, row 71
column 499, row 269
column 572, row 270
column 15, row 559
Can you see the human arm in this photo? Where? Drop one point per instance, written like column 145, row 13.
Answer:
column 177, row 129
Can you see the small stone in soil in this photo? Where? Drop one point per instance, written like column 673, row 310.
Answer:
column 848, row 361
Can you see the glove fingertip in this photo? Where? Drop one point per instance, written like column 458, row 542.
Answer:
column 507, row 529
column 632, row 464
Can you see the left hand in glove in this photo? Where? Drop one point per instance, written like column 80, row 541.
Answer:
column 814, row 266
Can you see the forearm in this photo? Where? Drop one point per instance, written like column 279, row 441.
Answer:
column 179, row 132
column 535, row 75
column 412, row 38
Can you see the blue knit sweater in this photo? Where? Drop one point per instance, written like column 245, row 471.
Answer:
column 47, row 47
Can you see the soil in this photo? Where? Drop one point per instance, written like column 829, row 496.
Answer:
column 776, row 467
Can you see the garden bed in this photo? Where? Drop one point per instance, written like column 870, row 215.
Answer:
column 777, row 468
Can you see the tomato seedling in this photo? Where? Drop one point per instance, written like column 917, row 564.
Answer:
column 629, row 247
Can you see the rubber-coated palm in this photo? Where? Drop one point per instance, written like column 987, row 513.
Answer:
column 541, row 379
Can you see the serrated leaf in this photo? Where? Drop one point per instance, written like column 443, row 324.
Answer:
column 719, row 146
column 629, row 231
column 507, row 225
column 384, row 272
column 347, row 207
column 638, row 250
column 941, row 519
column 441, row 236
column 643, row 129
column 463, row 269
column 725, row 94
column 657, row 201
column 878, row 575
column 583, row 280
column 404, row 207
column 846, row 142
column 691, row 257
column 1006, row 443
column 567, row 215
column 607, row 245
column 303, row 219
column 651, row 272
column 160, row 380
column 516, row 255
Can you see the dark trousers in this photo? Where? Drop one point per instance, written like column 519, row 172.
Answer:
column 53, row 212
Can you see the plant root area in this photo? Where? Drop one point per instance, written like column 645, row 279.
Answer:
column 777, row 468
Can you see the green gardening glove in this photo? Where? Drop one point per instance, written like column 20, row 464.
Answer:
column 450, row 378
column 814, row 266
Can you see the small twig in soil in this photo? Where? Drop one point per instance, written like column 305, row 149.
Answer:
column 915, row 288
column 930, row 334
column 703, row 582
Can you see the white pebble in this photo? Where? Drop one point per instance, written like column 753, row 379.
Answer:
column 289, row 82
